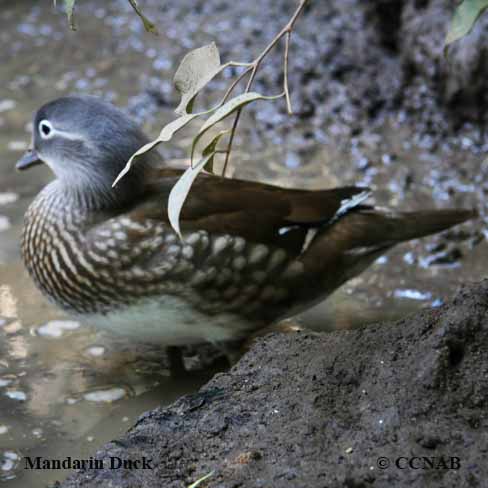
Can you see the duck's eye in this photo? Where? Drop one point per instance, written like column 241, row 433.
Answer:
column 45, row 129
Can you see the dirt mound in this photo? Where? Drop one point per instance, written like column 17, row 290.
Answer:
column 308, row 410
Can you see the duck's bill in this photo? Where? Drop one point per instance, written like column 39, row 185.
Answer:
column 29, row 159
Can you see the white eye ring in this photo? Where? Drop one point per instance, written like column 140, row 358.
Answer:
column 46, row 130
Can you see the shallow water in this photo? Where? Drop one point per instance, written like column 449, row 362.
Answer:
column 66, row 388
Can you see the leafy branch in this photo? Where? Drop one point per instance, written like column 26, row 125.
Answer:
column 195, row 71
column 254, row 66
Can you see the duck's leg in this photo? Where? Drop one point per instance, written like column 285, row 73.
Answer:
column 175, row 360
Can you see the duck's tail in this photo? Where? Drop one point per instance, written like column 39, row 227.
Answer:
column 377, row 226
column 344, row 249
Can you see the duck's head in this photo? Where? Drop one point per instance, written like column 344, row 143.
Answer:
column 86, row 142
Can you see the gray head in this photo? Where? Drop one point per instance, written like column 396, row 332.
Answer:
column 87, row 142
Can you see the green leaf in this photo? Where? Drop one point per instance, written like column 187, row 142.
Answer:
column 464, row 18
column 166, row 134
column 180, row 191
column 148, row 25
column 202, row 479
column 211, row 147
column 196, row 69
column 225, row 110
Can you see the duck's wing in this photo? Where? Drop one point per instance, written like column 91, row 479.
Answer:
column 257, row 212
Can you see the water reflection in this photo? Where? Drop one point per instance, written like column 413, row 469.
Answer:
column 66, row 386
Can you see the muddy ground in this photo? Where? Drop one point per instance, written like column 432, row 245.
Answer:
column 362, row 399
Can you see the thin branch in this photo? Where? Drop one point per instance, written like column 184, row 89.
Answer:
column 234, row 84
column 231, row 140
column 254, row 66
column 285, row 75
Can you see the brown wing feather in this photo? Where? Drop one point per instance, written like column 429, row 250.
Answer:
column 253, row 210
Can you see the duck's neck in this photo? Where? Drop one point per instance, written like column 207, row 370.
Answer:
column 94, row 196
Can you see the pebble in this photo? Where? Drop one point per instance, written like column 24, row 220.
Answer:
column 56, row 328
column 4, row 223
column 96, row 351
column 8, row 197
column 6, row 105
column 9, row 461
column 412, row 294
column 37, row 433
column 106, row 396
column 17, row 395
column 292, row 160
column 17, row 146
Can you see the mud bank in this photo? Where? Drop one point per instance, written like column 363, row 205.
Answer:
column 307, row 410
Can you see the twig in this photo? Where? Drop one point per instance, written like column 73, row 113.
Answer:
column 254, row 66
column 234, row 84
column 285, row 75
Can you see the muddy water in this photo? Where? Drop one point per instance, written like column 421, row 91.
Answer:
column 66, row 388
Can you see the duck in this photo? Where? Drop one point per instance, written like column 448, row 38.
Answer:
column 249, row 254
